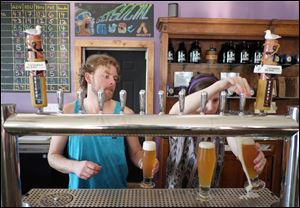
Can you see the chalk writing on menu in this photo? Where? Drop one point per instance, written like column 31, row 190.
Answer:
column 54, row 19
column 119, row 20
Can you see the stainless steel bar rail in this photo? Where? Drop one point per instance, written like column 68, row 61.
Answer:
column 146, row 125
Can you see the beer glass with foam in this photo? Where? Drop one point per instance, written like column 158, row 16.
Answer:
column 206, row 159
column 249, row 153
column 149, row 157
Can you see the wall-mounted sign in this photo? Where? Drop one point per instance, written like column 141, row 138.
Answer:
column 114, row 20
column 55, row 21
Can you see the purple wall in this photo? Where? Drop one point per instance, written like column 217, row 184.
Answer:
column 200, row 9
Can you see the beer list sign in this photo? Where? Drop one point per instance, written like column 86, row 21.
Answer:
column 114, row 20
column 54, row 19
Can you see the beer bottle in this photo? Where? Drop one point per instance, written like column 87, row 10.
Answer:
column 181, row 53
column 195, row 53
column 230, row 53
column 244, row 54
column 171, row 53
column 257, row 54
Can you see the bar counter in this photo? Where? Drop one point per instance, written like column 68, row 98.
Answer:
column 221, row 197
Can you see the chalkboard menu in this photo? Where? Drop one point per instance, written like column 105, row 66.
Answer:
column 114, row 20
column 54, row 19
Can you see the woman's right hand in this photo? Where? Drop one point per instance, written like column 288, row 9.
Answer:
column 86, row 169
column 238, row 85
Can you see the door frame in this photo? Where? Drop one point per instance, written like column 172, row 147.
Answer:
column 148, row 46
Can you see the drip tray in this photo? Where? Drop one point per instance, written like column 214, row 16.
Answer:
column 146, row 198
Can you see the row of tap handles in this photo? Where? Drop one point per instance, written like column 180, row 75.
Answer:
column 142, row 101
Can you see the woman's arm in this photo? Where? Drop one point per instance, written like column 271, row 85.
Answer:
column 192, row 101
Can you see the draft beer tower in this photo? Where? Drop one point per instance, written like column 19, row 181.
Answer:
column 36, row 64
column 266, row 69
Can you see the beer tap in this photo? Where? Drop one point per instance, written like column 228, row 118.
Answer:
column 101, row 99
column 123, row 97
column 204, row 96
column 80, row 101
column 223, row 95
column 142, row 94
column 60, row 101
column 181, row 95
column 242, row 104
column 161, row 102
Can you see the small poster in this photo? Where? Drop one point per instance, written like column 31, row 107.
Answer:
column 114, row 20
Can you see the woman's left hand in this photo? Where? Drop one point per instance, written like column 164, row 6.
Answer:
column 260, row 161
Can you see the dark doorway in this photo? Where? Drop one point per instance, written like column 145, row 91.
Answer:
column 133, row 73
column 133, row 79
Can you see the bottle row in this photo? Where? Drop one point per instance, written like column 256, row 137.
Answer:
column 244, row 52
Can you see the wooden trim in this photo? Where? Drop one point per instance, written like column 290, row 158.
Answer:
column 148, row 45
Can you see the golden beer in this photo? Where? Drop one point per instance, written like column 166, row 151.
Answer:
column 249, row 154
column 149, row 157
column 148, row 163
column 206, row 163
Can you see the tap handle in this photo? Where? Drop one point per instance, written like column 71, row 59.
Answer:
column 101, row 99
column 223, row 95
column 123, row 97
column 242, row 104
column 161, row 102
column 142, row 94
column 204, row 96
column 60, row 101
column 80, row 101
column 181, row 95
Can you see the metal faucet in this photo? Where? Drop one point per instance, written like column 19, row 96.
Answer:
column 80, row 101
column 161, row 102
column 181, row 95
column 101, row 99
column 123, row 97
column 60, row 101
column 204, row 96
column 142, row 99
column 223, row 95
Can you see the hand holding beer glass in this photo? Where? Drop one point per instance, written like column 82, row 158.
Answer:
column 206, row 165
column 149, row 158
column 249, row 153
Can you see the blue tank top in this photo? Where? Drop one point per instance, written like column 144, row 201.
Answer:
column 106, row 151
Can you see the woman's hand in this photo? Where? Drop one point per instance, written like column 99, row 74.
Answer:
column 260, row 161
column 238, row 85
column 154, row 170
column 86, row 169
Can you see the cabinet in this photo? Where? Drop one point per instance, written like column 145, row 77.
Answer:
column 216, row 32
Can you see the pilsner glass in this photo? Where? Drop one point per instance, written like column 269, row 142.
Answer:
column 250, row 152
column 149, row 158
column 206, row 166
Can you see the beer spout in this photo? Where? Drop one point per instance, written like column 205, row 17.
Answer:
column 223, row 95
column 80, row 101
column 101, row 99
column 204, row 96
column 123, row 97
column 242, row 104
column 60, row 101
column 142, row 99
column 161, row 102
column 181, row 95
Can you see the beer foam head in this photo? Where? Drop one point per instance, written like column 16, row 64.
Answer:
column 206, row 145
column 149, row 145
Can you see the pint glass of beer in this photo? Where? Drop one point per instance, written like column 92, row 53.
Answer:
column 149, row 158
column 206, row 165
column 249, row 153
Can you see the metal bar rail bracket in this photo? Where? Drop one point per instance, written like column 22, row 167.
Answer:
column 136, row 125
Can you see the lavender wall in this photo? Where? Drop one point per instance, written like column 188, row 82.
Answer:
column 200, row 9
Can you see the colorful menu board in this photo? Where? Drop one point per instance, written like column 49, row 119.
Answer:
column 55, row 21
column 114, row 20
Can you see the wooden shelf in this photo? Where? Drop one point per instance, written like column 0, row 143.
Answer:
column 216, row 32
